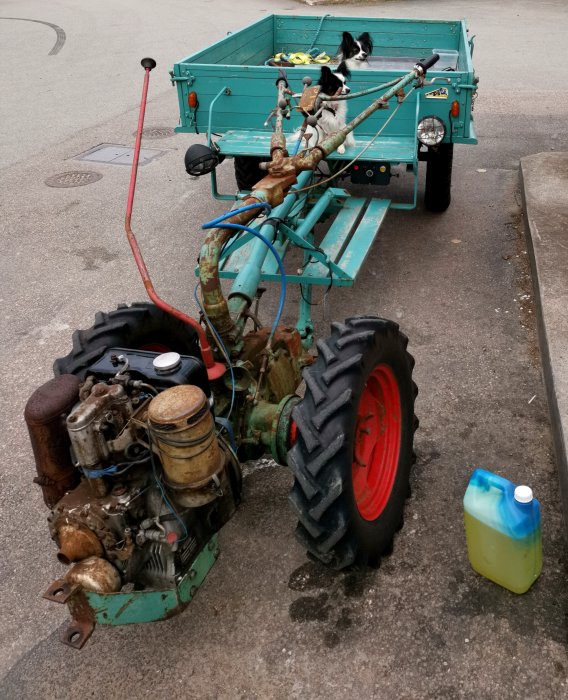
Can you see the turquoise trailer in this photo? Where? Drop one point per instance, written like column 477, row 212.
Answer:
column 233, row 73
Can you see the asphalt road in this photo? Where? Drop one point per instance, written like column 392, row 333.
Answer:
column 267, row 623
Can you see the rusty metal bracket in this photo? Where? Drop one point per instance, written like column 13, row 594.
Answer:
column 307, row 102
column 82, row 622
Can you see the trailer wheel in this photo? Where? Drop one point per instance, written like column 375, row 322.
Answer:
column 142, row 326
column 437, row 194
column 247, row 172
column 354, row 443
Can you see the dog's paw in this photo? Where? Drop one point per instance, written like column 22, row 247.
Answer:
column 341, row 149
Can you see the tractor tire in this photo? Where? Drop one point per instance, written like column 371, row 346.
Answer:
column 438, row 191
column 247, row 172
column 142, row 326
column 353, row 445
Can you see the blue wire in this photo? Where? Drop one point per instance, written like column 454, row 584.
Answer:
column 97, row 473
column 232, row 212
column 238, row 227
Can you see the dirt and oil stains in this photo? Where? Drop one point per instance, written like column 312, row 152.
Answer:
column 332, row 599
column 93, row 255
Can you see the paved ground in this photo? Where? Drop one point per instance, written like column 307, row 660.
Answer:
column 267, row 623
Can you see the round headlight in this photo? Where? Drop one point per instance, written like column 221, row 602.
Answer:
column 201, row 160
column 431, row 131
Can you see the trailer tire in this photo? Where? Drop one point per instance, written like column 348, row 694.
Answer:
column 358, row 409
column 437, row 193
column 247, row 172
column 141, row 326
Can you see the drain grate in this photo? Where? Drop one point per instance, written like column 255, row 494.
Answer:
column 114, row 154
column 156, row 132
column 74, row 178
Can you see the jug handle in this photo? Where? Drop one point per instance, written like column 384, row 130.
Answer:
column 497, row 482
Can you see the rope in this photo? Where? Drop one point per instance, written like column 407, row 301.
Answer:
column 318, row 32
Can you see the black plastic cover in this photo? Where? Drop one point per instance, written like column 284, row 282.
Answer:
column 191, row 369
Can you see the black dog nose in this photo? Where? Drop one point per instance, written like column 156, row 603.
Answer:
column 364, row 54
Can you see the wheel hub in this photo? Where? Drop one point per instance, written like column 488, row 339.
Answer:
column 376, row 446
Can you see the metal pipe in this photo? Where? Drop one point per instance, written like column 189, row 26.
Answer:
column 214, row 369
column 246, row 283
column 225, row 91
column 361, row 93
column 315, row 213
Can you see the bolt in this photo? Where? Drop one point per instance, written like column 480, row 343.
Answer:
column 192, row 573
column 193, row 591
column 211, row 546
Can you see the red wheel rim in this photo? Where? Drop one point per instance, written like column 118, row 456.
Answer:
column 376, row 447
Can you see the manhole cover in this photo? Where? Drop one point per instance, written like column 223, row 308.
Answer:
column 74, row 178
column 156, row 132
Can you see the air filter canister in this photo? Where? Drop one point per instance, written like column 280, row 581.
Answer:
column 182, row 427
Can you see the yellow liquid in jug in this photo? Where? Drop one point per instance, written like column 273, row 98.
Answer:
column 512, row 563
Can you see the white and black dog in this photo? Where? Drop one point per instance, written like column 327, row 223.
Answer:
column 355, row 52
column 333, row 116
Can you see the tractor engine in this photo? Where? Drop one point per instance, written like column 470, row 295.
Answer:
column 132, row 468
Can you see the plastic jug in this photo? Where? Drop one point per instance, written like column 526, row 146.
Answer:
column 502, row 527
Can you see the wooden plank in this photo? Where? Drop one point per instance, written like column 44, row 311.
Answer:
column 337, row 236
column 361, row 24
column 394, row 149
column 252, row 53
column 239, row 38
column 362, row 240
column 329, row 42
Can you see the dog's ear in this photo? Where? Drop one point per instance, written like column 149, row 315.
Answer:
column 347, row 43
column 325, row 72
column 342, row 68
column 365, row 38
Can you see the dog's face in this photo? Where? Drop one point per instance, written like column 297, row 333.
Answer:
column 356, row 49
column 333, row 83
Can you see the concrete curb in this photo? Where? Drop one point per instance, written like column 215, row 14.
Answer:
column 544, row 179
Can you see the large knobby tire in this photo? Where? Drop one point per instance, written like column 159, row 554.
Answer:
column 140, row 326
column 438, row 191
column 247, row 171
column 354, row 443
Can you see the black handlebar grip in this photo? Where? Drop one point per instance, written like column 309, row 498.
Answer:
column 427, row 63
column 148, row 63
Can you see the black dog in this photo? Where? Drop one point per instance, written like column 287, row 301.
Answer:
column 333, row 116
column 355, row 52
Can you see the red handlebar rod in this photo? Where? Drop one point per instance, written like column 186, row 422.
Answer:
column 214, row 369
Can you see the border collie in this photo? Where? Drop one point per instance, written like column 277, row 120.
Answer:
column 355, row 52
column 333, row 116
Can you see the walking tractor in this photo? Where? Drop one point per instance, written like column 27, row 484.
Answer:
column 139, row 437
